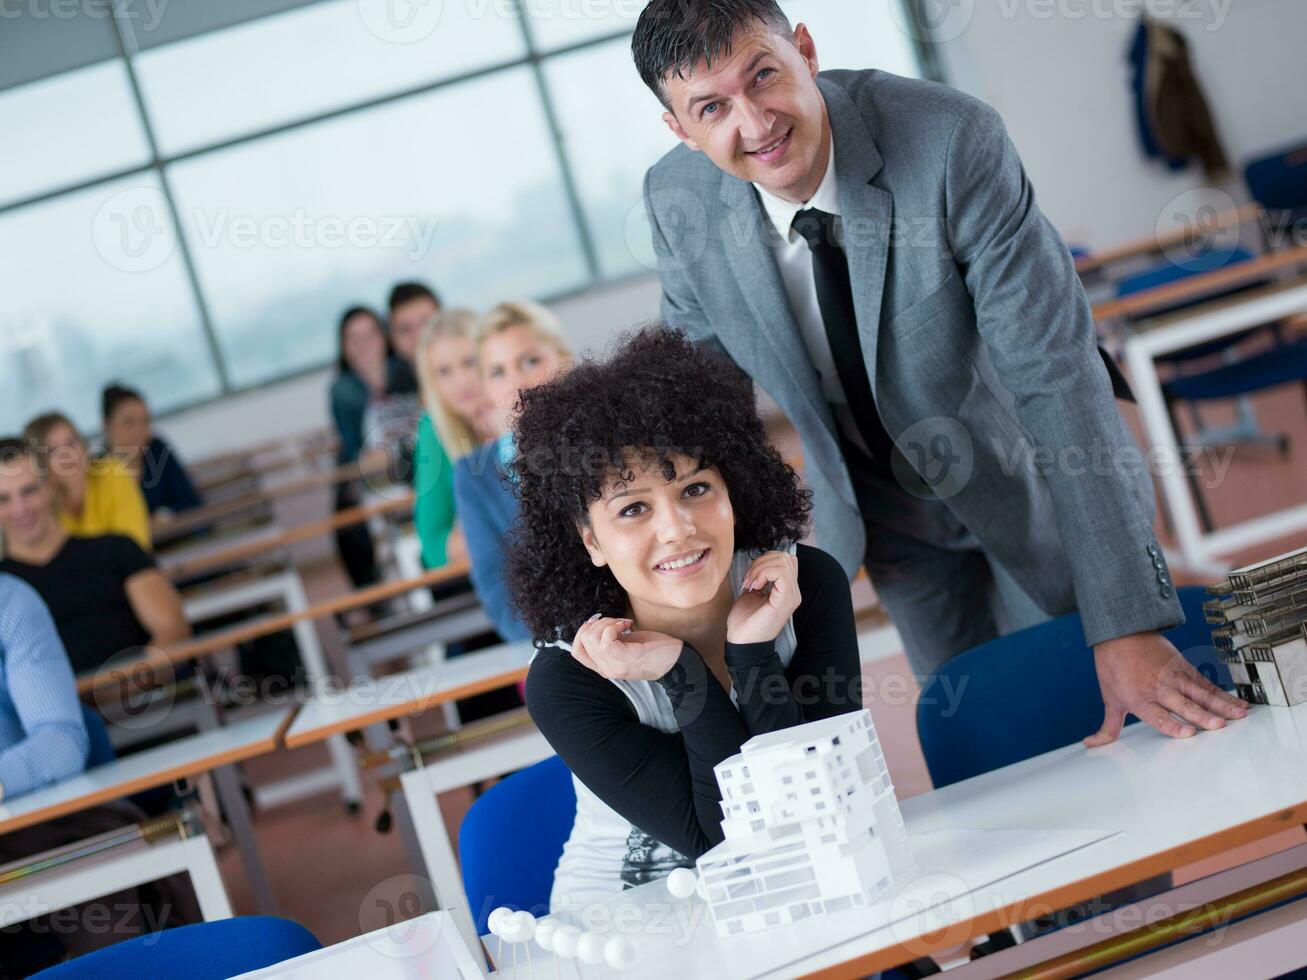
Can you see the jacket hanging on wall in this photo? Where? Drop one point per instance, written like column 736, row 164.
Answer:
column 1175, row 124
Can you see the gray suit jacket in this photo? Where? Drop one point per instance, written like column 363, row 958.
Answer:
column 976, row 333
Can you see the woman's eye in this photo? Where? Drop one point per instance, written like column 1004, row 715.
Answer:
column 530, row 361
column 633, row 510
column 697, row 489
column 710, row 109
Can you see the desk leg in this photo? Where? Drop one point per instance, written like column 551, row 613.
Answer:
column 1162, row 439
column 315, row 667
column 228, row 782
column 378, row 738
column 433, row 844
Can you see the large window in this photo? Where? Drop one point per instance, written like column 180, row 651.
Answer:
column 192, row 200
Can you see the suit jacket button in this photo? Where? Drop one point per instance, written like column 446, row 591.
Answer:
column 1159, row 564
column 1165, row 592
column 1152, row 550
column 1161, row 577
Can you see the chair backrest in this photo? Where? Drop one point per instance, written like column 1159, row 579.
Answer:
column 512, row 838
column 203, row 951
column 1278, row 181
column 1031, row 692
column 1166, row 273
column 102, row 750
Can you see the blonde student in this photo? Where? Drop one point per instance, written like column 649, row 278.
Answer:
column 94, row 496
column 520, row 345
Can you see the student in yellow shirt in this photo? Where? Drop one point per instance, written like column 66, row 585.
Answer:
column 95, row 496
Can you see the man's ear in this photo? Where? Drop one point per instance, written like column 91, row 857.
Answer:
column 807, row 48
column 591, row 543
column 675, row 126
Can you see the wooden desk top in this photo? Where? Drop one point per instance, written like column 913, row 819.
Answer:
column 159, row 766
column 412, row 692
column 243, row 550
column 1196, row 287
column 1158, row 243
column 156, row 667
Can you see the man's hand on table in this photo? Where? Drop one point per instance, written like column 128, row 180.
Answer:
column 1145, row 676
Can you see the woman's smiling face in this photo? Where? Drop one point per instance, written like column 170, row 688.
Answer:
column 667, row 542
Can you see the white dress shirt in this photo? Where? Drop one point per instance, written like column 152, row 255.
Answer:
column 794, row 261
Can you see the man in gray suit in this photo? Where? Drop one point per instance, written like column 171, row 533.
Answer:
column 867, row 248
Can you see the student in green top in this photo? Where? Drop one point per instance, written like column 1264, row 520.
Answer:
column 454, row 424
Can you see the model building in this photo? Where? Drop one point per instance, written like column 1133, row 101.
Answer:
column 1261, row 629
column 811, row 826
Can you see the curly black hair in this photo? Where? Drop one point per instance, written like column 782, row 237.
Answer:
column 660, row 394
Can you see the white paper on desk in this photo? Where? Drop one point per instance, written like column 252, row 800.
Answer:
column 678, row 938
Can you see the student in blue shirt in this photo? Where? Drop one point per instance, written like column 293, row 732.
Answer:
column 43, row 740
column 520, row 345
column 42, row 736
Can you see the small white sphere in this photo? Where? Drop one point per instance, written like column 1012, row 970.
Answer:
column 496, row 919
column 565, row 941
column 619, row 953
column 524, row 926
column 682, row 883
column 590, row 949
column 546, row 929
column 702, row 888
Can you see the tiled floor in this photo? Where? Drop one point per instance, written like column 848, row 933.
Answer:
column 334, row 873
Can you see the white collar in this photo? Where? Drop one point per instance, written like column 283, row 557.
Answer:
column 782, row 212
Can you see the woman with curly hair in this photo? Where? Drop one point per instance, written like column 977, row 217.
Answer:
column 658, row 534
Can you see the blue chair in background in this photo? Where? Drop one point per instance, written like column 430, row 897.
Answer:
column 1281, row 363
column 1031, row 692
column 102, row 750
column 1278, row 182
column 508, row 862
column 203, row 951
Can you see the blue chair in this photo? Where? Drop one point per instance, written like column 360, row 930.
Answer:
column 203, row 951
column 1278, row 182
column 508, row 862
column 1031, row 692
column 102, row 750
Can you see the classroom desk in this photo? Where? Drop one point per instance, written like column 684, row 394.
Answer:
column 288, row 588
column 1150, row 339
column 374, row 701
column 208, row 751
column 368, row 703
column 188, row 553
column 1171, row 802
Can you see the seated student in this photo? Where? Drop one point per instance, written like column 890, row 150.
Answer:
column 371, row 386
column 43, row 740
column 520, row 345
column 659, row 531
column 410, row 306
column 104, row 592
column 94, row 496
column 455, row 422
column 167, row 487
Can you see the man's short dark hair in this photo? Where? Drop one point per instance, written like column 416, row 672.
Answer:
column 406, row 292
column 13, row 448
column 672, row 36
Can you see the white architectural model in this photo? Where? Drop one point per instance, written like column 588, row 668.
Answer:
column 1261, row 631
column 811, row 825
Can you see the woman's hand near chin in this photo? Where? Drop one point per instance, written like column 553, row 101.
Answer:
column 770, row 596
column 613, row 650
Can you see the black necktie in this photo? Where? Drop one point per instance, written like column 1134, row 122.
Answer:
column 830, row 269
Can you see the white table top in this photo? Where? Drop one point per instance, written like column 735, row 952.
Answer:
column 372, row 700
column 158, row 766
column 429, row 947
column 181, row 554
column 1173, row 801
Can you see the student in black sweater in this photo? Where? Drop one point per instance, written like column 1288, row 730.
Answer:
column 656, row 558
